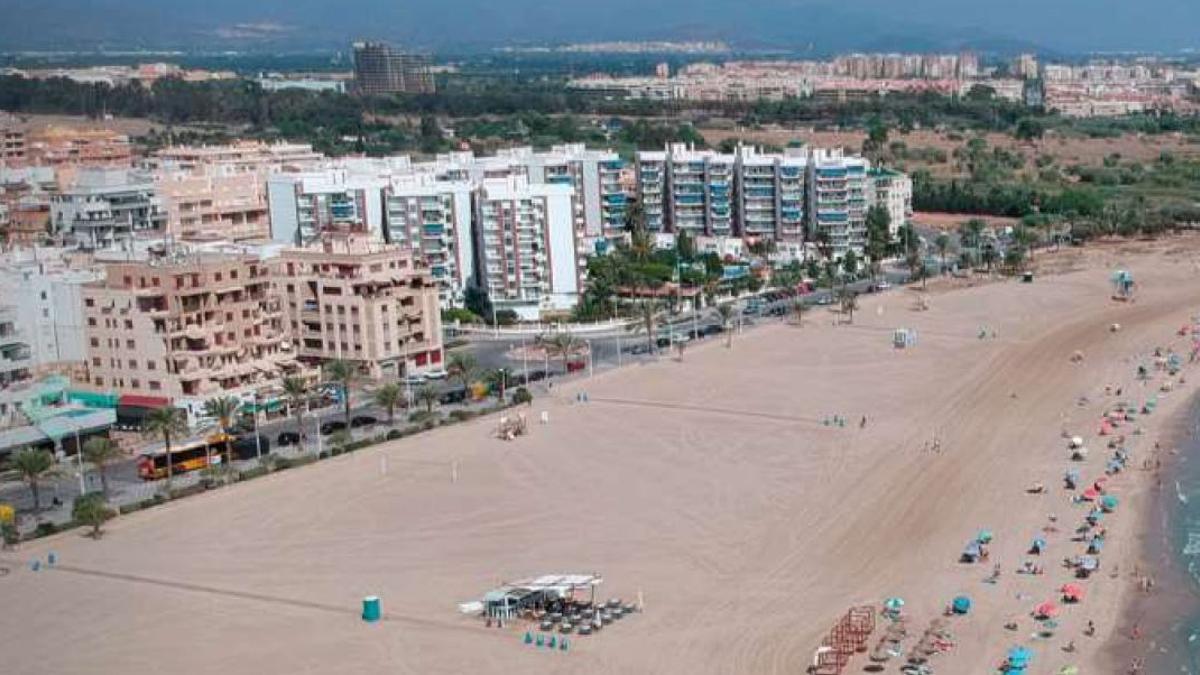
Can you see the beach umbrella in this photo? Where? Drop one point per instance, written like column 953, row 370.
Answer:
column 1019, row 658
column 1073, row 592
column 961, row 604
column 893, row 604
column 1038, row 546
column 1046, row 610
column 1090, row 494
column 1109, row 502
column 985, row 537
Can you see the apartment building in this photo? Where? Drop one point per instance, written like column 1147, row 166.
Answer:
column 528, row 257
column 105, row 204
column 214, row 202
column 599, row 201
column 16, row 361
column 769, row 194
column 69, row 146
column 892, row 191
column 838, row 200
column 12, row 145
column 188, row 327
column 45, row 290
column 687, row 190
column 302, row 205
column 242, row 156
column 433, row 219
column 381, row 69
column 351, row 297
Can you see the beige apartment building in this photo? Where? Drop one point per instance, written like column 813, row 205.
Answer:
column 215, row 203
column 191, row 327
column 353, row 298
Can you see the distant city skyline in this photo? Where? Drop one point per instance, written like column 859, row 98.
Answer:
column 816, row 26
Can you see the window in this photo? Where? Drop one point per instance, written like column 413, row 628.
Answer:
column 43, row 295
column 150, row 365
column 229, row 316
column 155, row 385
column 130, row 344
column 96, row 361
column 92, row 321
column 45, row 314
column 217, row 276
column 128, row 280
column 99, row 381
column 89, row 302
column 128, row 324
column 135, row 383
column 233, row 274
column 95, row 342
column 155, row 281
column 133, row 364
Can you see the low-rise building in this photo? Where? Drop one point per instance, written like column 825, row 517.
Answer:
column 45, row 290
column 188, row 327
column 214, row 203
column 351, row 297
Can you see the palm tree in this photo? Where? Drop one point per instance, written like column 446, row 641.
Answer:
column 91, row 510
column 388, row 397
column 462, row 366
column 169, row 423
column 563, row 345
column 725, row 315
column 32, row 465
column 223, row 409
column 100, row 452
column 427, row 395
column 296, row 390
column 646, row 313
column 343, row 373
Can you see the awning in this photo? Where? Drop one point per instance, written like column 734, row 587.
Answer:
column 143, row 401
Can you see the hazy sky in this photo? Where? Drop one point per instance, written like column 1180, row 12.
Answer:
column 1065, row 25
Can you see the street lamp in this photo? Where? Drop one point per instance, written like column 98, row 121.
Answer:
column 257, row 436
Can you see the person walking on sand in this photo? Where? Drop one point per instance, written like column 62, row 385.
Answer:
column 863, row 422
column 1090, row 631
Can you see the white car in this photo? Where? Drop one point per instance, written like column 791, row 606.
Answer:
column 436, row 374
column 413, row 380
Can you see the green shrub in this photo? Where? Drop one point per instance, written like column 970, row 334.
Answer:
column 461, row 415
column 395, row 434
column 422, row 416
column 45, row 530
column 522, row 396
column 131, row 508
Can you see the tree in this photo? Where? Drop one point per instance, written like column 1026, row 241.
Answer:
column 849, row 302
column 168, row 423
column 296, row 391
column 646, row 313
column 879, row 237
column 427, row 395
column 32, row 466
column 477, row 302
column 389, row 397
column 223, row 409
column 685, row 246
column 942, row 244
column 463, row 366
column 725, row 314
column 497, row 381
column 100, row 452
column 564, row 345
column 90, row 510
column 970, row 235
column 850, row 264
column 1029, row 129
column 343, row 373
column 522, row 396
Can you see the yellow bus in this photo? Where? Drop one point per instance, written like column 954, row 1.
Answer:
column 189, row 455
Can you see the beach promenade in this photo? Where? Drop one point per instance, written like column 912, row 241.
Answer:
column 711, row 485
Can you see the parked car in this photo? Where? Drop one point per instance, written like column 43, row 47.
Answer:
column 247, row 447
column 287, row 438
column 453, row 396
column 436, row 374
column 574, row 366
column 332, row 427
column 413, row 380
column 535, row 375
column 362, row 421
column 825, row 300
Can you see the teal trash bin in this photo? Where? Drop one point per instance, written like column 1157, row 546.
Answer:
column 371, row 608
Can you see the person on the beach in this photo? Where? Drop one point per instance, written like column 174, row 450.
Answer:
column 1091, row 628
column 862, row 424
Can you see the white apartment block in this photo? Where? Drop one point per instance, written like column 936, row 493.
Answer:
column 106, row 205
column 769, row 193
column 304, row 204
column 687, row 190
column 891, row 190
column 433, row 219
column 838, row 200
column 46, row 297
column 528, row 257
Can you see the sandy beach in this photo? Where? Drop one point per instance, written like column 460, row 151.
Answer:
column 710, row 485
